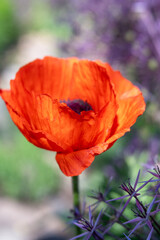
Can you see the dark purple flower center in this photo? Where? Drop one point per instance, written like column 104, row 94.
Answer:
column 78, row 105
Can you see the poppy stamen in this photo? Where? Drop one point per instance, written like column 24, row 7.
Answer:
column 78, row 105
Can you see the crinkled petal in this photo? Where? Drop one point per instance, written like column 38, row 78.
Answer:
column 74, row 163
column 39, row 138
column 64, row 79
column 127, row 114
column 123, row 87
column 130, row 100
column 52, row 76
column 91, row 83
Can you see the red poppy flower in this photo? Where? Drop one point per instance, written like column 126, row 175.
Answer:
column 77, row 108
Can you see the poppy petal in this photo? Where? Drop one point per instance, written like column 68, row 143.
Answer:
column 72, row 164
column 127, row 114
column 37, row 137
column 6, row 96
column 52, row 76
column 91, row 83
column 131, row 103
column 123, row 87
column 130, row 100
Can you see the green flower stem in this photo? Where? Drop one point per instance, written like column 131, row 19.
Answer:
column 76, row 198
column 75, row 189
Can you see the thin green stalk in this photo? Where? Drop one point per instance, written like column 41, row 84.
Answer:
column 75, row 189
column 76, row 198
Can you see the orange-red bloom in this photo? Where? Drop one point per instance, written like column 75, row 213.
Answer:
column 77, row 108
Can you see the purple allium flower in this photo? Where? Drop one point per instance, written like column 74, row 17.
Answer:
column 77, row 213
column 131, row 190
column 144, row 216
column 127, row 237
column 128, row 188
column 100, row 196
column 90, row 227
column 156, row 174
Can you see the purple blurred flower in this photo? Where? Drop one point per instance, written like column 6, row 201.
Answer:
column 157, row 172
column 154, row 148
column 100, row 30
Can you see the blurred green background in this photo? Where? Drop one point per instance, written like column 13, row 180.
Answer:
column 26, row 172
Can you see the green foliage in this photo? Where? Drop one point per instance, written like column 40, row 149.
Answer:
column 9, row 30
column 44, row 17
column 24, row 171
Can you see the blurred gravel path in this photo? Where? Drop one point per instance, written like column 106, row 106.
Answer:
column 19, row 221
